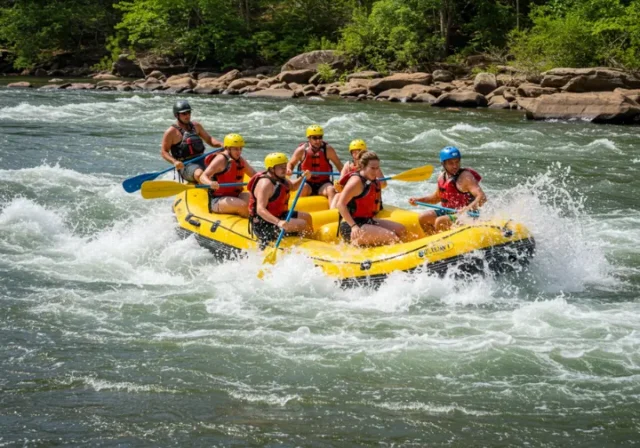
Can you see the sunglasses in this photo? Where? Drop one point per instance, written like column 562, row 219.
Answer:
column 316, row 137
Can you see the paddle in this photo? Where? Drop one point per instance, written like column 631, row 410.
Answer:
column 413, row 175
column 133, row 184
column 165, row 188
column 272, row 253
column 448, row 210
column 318, row 173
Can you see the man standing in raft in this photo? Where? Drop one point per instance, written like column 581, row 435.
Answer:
column 360, row 201
column 315, row 155
column 458, row 188
column 269, row 201
column 185, row 140
column 228, row 167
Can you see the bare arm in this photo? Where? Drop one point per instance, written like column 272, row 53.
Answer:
column 295, row 159
column 468, row 183
column 248, row 169
column 352, row 189
column 207, row 138
column 168, row 140
column 333, row 157
column 216, row 166
column 432, row 198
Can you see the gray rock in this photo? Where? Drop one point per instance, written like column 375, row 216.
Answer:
column 599, row 107
column 311, row 60
column 272, row 93
column 461, row 99
column 485, row 83
column 443, row 76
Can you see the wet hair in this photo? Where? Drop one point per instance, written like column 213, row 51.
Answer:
column 365, row 157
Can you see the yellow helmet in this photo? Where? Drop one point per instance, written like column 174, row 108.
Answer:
column 234, row 140
column 275, row 158
column 358, row 145
column 315, row 129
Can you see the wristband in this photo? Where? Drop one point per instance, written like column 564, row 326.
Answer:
column 355, row 225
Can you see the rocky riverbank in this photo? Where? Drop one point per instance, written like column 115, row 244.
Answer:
column 601, row 95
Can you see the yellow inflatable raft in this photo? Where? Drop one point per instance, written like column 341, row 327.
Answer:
column 497, row 245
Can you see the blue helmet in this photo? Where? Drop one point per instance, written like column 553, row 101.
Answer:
column 448, row 153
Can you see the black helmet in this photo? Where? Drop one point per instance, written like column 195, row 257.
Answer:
column 181, row 106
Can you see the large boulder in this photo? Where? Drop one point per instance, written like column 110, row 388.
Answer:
column 499, row 102
column 109, row 83
column 399, row 80
column 443, row 76
column 485, row 83
column 595, row 79
column 183, row 81
column 555, row 81
column 243, row 82
column 599, row 107
column 352, row 91
column 297, row 76
column 126, row 67
column 272, row 93
column 20, row 85
column 368, row 74
column 461, row 99
column 632, row 94
column 311, row 60
column 530, row 90
column 105, row 76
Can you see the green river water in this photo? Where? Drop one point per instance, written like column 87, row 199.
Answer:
column 116, row 332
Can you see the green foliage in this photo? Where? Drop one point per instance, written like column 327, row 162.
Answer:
column 396, row 34
column 580, row 34
column 385, row 35
column 327, row 73
column 37, row 30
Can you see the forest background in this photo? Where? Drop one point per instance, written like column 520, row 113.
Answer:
column 384, row 35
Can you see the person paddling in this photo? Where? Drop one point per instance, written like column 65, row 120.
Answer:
column 316, row 155
column 356, row 147
column 269, row 201
column 225, row 167
column 185, row 140
column 359, row 203
column 458, row 188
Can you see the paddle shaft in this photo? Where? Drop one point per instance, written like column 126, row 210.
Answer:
column 134, row 183
column 448, row 210
column 293, row 206
column 327, row 173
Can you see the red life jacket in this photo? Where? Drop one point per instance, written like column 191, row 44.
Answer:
column 232, row 173
column 316, row 161
column 279, row 200
column 367, row 203
column 450, row 196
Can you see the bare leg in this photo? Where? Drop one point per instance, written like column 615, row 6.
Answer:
column 395, row 227
column 328, row 190
column 233, row 206
column 302, row 223
column 306, row 190
column 373, row 235
column 443, row 223
column 427, row 221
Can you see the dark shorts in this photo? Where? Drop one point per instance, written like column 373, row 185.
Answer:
column 187, row 173
column 213, row 200
column 265, row 231
column 316, row 186
column 345, row 229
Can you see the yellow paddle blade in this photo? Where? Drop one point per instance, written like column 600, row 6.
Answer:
column 162, row 189
column 270, row 258
column 415, row 175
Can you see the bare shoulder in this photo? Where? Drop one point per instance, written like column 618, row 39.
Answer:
column 467, row 176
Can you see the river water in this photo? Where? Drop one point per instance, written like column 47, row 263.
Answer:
column 114, row 331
